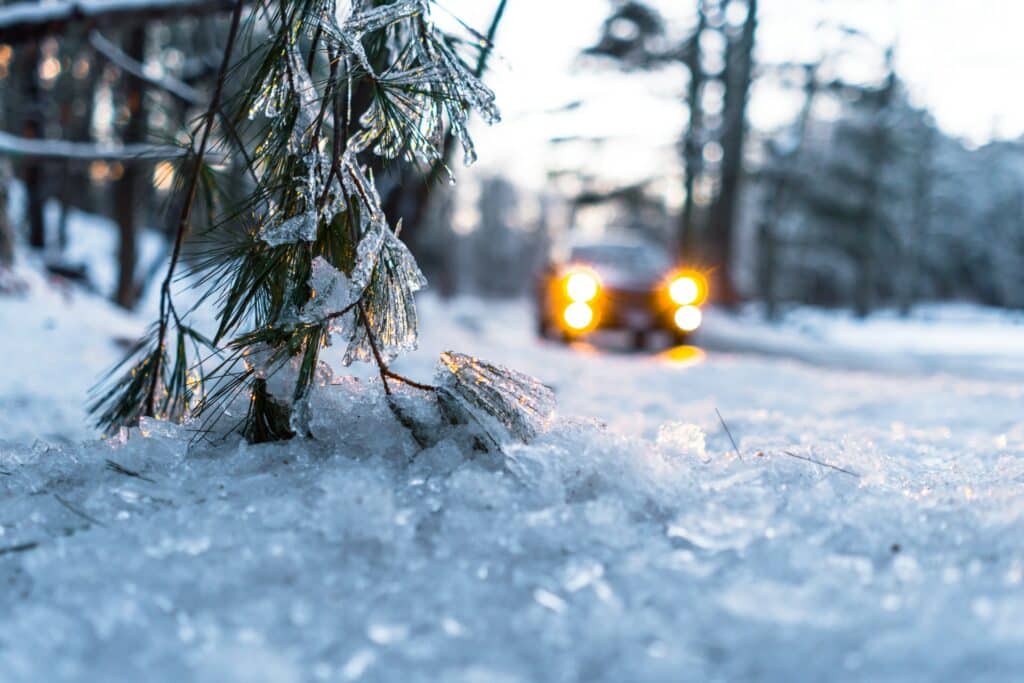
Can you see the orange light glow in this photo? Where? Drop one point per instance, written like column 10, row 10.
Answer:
column 682, row 356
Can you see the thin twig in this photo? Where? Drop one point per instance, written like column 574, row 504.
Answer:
column 819, row 462
column 4, row 473
column 412, row 383
column 186, row 211
column 382, row 366
column 84, row 515
column 121, row 469
column 729, row 433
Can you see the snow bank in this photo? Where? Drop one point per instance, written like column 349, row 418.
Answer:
column 629, row 541
column 55, row 341
column 587, row 555
column 948, row 337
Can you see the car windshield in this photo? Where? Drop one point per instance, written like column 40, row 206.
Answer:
column 630, row 258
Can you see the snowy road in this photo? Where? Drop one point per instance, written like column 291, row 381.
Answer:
column 630, row 543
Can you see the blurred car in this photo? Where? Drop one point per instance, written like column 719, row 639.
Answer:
column 623, row 286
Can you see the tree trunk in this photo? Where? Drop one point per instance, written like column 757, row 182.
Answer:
column 130, row 189
column 869, row 247
column 692, row 153
column 739, row 71
column 32, row 128
column 778, row 197
column 6, row 233
column 910, row 292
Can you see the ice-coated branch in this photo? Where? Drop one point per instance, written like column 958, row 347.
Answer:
column 22, row 22
column 117, row 57
column 62, row 150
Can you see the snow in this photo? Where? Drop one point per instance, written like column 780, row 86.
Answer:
column 629, row 541
column 948, row 337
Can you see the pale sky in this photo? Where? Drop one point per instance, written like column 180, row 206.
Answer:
column 964, row 59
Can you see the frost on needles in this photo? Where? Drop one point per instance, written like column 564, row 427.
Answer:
column 325, row 94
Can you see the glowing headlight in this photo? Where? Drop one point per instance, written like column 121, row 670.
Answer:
column 688, row 318
column 578, row 315
column 684, row 290
column 582, row 286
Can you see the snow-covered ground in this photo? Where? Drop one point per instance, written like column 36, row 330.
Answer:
column 630, row 542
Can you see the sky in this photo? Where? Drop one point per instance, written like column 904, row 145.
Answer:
column 960, row 58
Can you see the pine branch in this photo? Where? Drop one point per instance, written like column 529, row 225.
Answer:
column 166, row 305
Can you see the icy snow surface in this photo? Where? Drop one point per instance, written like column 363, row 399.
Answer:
column 629, row 542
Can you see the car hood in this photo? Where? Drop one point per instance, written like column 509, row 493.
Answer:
column 621, row 278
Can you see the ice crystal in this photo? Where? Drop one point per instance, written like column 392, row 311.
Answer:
column 426, row 82
column 346, row 26
column 331, row 291
column 522, row 404
column 301, row 227
column 291, row 87
column 390, row 310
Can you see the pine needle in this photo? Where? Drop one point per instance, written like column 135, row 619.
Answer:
column 823, row 464
column 19, row 548
column 84, row 515
column 120, row 469
column 729, row 433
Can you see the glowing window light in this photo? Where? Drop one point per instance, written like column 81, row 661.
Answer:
column 163, row 176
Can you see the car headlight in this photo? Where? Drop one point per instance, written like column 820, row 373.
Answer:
column 578, row 316
column 582, row 286
column 688, row 318
column 684, row 290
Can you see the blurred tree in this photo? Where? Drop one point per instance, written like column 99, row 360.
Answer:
column 6, row 233
column 637, row 38
column 134, row 186
column 58, row 92
column 411, row 191
column 739, row 59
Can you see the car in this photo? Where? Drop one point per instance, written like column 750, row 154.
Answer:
column 619, row 286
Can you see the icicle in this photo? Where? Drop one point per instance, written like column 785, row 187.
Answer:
column 520, row 403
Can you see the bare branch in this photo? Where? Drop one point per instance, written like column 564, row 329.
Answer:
column 118, row 58
column 61, row 150
column 23, row 22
